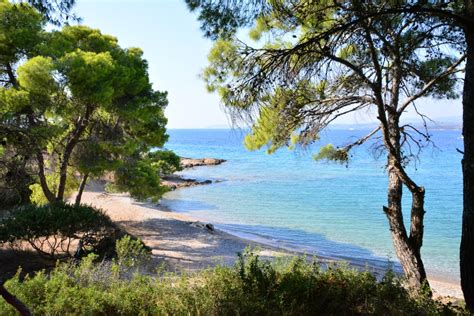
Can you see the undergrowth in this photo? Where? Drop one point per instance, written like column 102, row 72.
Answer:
column 251, row 287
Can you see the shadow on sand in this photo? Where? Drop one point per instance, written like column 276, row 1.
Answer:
column 182, row 245
column 29, row 261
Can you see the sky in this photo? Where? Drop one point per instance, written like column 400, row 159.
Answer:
column 176, row 51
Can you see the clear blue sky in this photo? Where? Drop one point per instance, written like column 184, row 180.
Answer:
column 176, row 52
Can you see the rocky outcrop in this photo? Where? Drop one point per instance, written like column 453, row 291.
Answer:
column 176, row 182
column 187, row 163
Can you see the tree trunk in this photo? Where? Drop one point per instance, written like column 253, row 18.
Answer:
column 408, row 255
column 81, row 189
column 70, row 145
column 42, row 177
column 467, row 238
column 406, row 248
column 63, row 170
column 13, row 301
column 417, row 217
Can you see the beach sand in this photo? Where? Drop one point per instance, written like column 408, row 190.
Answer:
column 180, row 245
column 173, row 237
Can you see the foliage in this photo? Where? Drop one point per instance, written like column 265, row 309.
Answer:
column 131, row 252
column 15, row 178
column 55, row 230
column 166, row 161
column 139, row 178
column 74, row 103
column 302, row 77
column 252, row 287
column 310, row 63
column 140, row 175
column 222, row 18
column 20, row 26
column 330, row 153
column 37, row 196
column 55, row 12
column 19, row 33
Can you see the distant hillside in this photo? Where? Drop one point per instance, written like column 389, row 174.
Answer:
column 442, row 123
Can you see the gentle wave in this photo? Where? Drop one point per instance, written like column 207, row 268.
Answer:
column 288, row 200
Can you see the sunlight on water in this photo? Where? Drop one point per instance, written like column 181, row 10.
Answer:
column 321, row 208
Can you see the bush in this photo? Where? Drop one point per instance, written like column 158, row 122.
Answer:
column 252, row 287
column 131, row 252
column 57, row 230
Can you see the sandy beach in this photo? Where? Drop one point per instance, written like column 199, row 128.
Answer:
column 181, row 245
column 175, row 239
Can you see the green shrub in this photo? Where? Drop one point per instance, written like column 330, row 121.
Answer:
column 131, row 252
column 57, row 230
column 251, row 287
column 166, row 161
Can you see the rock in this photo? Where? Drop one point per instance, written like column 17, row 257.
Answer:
column 174, row 182
column 210, row 227
column 191, row 163
column 200, row 225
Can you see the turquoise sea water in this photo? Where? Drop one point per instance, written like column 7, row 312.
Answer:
column 321, row 208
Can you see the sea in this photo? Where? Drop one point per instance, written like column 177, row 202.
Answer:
column 320, row 208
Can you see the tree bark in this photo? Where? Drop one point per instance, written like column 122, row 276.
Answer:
column 407, row 248
column 11, row 75
column 81, row 189
column 407, row 253
column 417, row 230
column 71, row 144
column 42, row 177
column 417, row 217
column 63, row 170
column 13, row 301
column 467, row 237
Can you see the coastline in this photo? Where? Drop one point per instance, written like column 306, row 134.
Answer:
column 179, row 245
column 175, row 242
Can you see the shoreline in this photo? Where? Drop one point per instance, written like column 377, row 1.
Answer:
column 179, row 245
column 173, row 238
column 442, row 285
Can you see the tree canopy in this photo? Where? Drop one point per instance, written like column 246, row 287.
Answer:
column 313, row 62
column 457, row 15
column 54, row 11
column 74, row 103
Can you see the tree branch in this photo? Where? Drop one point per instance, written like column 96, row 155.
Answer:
column 81, row 189
column 42, row 177
column 362, row 140
column 430, row 84
column 80, row 128
column 13, row 301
